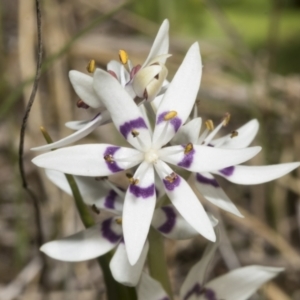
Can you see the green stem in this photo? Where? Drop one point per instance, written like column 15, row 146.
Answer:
column 157, row 262
column 114, row 290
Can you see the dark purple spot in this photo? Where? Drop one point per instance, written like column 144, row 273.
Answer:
column 196, row 289
column 187, row 159
column 112, row 165
column 127, row 127
column 202, row 179
column 142, row 192
column 176, row 122
column 170, row 222
column 110, row 199
column 227, row 171
column 108, row 233
column 165, row 298
column 210, row 294
column 210, row 145
column 171, row 185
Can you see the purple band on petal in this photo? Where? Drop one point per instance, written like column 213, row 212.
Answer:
column 165, row 298
column 108, row 233
column 202, row 179
column 142, row 192
column 172, row 185
column 127, row 127
column 110, row 199
column 170, row 222
column 112, row 165
column 187, row 159
column 227, row 171
column 196, row 289
column 210, row 294
column 176, row 122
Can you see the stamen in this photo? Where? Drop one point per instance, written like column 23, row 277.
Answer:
column 134, row 133
column 188, row 148
column 123, row 56
column 81, row 104
column 226, row 119
column 209, row 125
column 119, row 221
column 109, row 158
column 234, row 133
column 170, row 178
column 91, row 67
column 131, row 179
column 170, row 115
column 95, row 209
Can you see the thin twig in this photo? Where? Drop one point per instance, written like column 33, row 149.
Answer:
column 34, row 199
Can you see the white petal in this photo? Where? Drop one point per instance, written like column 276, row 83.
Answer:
column 186, row 202
column 241, row 283
column 93, row 192
column 195, row 278
column 122, row 270
column 188, row 133
column 88, row 160
column 256, row 174
column 171, row 224
column 206, row 159
column 155, row 86
column 138, row 210
column 87, row 244
column 116, row 67
column 124, row 112
column 211, row 190
column 180, row 97
column 150, row 289
column 83, row 86
column 160, row 44
column 77, row 125
column 245, row 136
column 76, row 136
column 143, row 78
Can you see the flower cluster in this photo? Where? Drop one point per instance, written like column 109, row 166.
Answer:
column 153, row 116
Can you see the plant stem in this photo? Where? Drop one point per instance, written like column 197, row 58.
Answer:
column 157, row 262
column 114, row 290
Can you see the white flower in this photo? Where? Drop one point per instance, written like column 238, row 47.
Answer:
column 143, row 81
column 238, row 284
column 106, row 235
column 247, row 175
column 103, row 160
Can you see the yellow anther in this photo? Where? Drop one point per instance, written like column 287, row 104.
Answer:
column 171, row 177
column 131, row 179
column 170, row 115
column 95, row 209
column 109, row 158
column 134, row 133
column 234, row 134
column 226, row 119
column 188, row 148
column 209, row 125
column 91, row 66
column 123, row 56
column 119, row 221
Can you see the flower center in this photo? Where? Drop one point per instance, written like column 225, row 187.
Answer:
column 151, row 156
